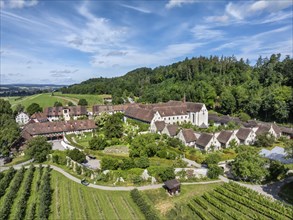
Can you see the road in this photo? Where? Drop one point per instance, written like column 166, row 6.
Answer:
column 270, row 190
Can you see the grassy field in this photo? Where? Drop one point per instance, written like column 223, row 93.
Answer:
column 164, row 203
column 75, row 201
column 70, row 200
column 47, row 100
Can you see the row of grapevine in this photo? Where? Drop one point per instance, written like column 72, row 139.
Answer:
column 223, row 207
column 5, row 181
column 198, row 211
column 25, row 194
column 261, row 199
column 45, row 195
column 11, row 194
column 251, row 204
column 211, row 209
column 145, row 208
column 242, row 208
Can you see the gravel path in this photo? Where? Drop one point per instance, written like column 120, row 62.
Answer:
column 270, row 190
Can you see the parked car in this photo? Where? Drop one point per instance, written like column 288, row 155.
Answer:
column 84, row 182
column 91, row 157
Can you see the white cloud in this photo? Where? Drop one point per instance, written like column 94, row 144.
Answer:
column 178, row 3
column 205, row 32
column 18, row 3
column 239, row 11
column 140, row 9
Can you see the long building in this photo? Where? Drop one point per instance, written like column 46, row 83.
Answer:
column 56, row 129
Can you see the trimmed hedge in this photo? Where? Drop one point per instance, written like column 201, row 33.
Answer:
column 144, row 206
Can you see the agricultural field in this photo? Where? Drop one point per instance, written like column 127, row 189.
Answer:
column 163, row 203
column 231, row 201
column 71, row 200
column 47, row 100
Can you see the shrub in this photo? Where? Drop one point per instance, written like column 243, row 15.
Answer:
column 76, row 155
column 142, row 162
column 214, row 171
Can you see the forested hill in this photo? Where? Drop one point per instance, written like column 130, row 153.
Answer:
column 225, row 84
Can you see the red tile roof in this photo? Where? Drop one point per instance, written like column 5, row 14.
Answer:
column 160, row 125
column 189, row 135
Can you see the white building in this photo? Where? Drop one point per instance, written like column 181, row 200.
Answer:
column 208, row 142
column 187, row 136
column 246, row 136
column 22, row 118
column 226, row 137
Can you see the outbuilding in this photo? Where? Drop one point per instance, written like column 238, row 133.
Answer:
column 173, row 186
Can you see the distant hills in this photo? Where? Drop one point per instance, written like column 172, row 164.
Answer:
column 224, row 84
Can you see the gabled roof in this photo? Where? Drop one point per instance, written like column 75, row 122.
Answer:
column 58, row 127
column 171, row 111
column 40, row 116
column 171, row 184
column 141, row 114
column 243, row 133
column 262, row 129
column 204, row 139
column 189, row 135
column 214, row 118
column 194, row 107
column 172, row 129
column 58, row 111
column 160, row 125
column 224, row 136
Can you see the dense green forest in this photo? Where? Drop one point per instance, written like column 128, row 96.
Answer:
column 224, row 84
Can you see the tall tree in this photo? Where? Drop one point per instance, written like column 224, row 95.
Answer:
column 33, row 108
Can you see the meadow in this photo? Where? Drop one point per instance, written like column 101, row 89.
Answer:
column 48, row 100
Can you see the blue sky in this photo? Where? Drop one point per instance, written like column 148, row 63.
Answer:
column 65, row 42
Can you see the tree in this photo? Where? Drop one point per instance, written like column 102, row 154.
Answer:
column 108, row 163
column 214, row 171
column 76, row 155
column 57, row 104
column 19, row 108
column 167, row 174
column 38, row 148
column 264, row 140
column 289, row 149
column 142, row 162
column 228, row 102
column 5, row 107
column 70, row 103
column 33, row 108
column 97, row 143
column 277, row 170
column 213, row 158
column 113, row 127
column 249, row 165
column 83, row 102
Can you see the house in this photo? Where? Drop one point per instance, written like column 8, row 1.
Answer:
column 172, row 112
column 273, row 129
column 22, row 118
column 172, row 186
column 39, row 117
column 67, row 113
column 170, row 130
column 107, row 99
column 208, row 142
column 157, row 126
column 187, row 136
column 226, row 137
column 246, row 136
column 287, row 132
column 57, row 129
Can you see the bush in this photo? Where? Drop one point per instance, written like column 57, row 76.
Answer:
column 214, row 171
column 97, row 143
column 142, row 162
column 83, row 102
column 213, row 158
column 76, row 155
column 143, row 205
column 38, row 148
column 108, row 163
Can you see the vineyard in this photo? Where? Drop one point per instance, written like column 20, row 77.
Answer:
column 232, row 201
column 25, row 194
column 74, row 201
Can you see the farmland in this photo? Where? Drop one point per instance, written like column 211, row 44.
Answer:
column 75, row 201
column 47, row 100
column 231, row 201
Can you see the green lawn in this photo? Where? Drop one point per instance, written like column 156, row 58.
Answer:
column 164, row 203
column 75, row 201
column 91, row 99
